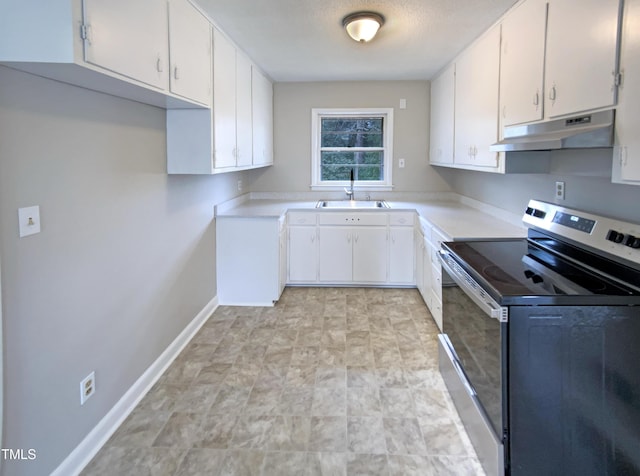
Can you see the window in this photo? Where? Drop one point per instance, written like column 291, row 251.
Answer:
column 352, row 141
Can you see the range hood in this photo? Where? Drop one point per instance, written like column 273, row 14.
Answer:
column 579, row 132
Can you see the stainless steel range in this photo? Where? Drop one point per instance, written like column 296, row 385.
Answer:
column 540, row 347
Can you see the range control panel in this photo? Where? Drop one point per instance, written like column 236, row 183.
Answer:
column 616, row 237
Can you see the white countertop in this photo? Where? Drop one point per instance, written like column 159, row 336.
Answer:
column 456, row 220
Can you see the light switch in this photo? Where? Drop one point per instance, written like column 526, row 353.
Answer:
column 403, row 103
column 29, row 220
column 401, row 163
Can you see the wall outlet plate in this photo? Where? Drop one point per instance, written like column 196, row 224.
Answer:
column 87, row 387
column 559, row 190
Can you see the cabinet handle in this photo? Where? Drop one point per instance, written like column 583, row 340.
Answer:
column 159, row 65
column 536, row 99
column 356, row 238
column 175, row 73
column 552, row 93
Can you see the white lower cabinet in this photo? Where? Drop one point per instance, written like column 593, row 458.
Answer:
column 370, row 254
column 353, row 254
column 335, row 255
column 351, row 248
column 303, row 254
column 401, row 255
column 249, row 255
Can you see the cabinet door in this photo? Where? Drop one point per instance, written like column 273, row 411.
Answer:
column 303, row 254
column 522, row 63
column 419, row 255
column 190, row 52
column 427, row 269
column 262, row 117
column 370, row 254
column 626, row 158
column 128, row 37
column 581, row 55
column 401, row 256
column 282, row 275
column 335, row 252
column 476, row 104
column 224, row 101
column 244, row 134
column 442, row 107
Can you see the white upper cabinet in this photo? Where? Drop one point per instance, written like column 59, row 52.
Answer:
column 580, row 66
column 442, row 107
column 626, row 157
column 244, row 128
column 233, row 134
column 262, row 118
column 190, row 52
column 119, row 47
column 522, row 63
column 222, row 138
column 224, row 98
column 476, row 102
column 129, row 38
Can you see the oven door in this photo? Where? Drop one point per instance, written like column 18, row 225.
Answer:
column 472, row 356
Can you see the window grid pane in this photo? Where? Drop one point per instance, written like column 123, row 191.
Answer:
column 352, row 144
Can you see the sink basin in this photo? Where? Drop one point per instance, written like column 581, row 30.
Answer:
column 352, row 204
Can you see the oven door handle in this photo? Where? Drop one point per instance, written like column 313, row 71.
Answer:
column 471, row 288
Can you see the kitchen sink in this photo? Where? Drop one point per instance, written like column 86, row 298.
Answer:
column 352, row 204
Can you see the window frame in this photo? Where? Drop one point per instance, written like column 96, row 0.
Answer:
column 317, row 114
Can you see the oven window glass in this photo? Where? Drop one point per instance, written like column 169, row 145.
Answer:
column 476, row 339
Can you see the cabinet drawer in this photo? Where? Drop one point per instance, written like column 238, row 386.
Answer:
column 401, row 218
column 379, row 219
column 302, row 218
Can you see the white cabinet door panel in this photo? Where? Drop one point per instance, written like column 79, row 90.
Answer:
column 626, row 157
column 401, row 255
column 522, row 63
column 129, row 37
column 442, row 121
column 476, row 103
column 303, row 254
column 262, row 118
column 581, row 55
column 244, row 130
column 369, row 254
column 190, row 52
column 336, row 255
column 224, row 101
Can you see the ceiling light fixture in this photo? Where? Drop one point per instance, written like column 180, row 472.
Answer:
column 362, row 26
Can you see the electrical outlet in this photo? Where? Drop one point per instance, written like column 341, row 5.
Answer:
column 239, row 185
column 560, row 190
column 87, row 387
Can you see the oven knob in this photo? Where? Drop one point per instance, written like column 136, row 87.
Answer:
column 536, row 278
column 629, row 240
column 636, row 243
column 615, row 236
column 528, row 273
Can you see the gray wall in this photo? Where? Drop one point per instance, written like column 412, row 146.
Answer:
column 587, row 177
column 292, row 135
column 125, row 259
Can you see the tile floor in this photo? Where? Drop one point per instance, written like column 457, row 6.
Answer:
column 330, row 381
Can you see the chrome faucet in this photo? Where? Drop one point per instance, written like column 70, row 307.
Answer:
column 349, row 191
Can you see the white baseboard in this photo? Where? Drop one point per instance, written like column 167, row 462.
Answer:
column 91, row 444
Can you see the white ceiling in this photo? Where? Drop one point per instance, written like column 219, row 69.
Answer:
column 303, row 40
